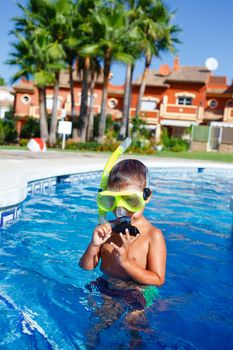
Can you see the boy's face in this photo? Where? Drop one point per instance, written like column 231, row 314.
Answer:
column 134, row 187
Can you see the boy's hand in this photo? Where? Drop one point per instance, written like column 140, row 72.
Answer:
column 101, row 234
column 123, row 251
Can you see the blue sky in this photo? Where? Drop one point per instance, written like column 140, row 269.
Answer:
column 207, row 32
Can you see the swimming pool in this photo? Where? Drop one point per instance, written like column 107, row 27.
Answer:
column 44, row 301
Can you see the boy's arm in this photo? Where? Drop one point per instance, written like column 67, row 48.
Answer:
column 156, row 262
column 91, row 257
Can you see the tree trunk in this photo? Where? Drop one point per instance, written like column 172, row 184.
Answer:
column 43, row 114
column 53, row 125
column 142, row 87
column 90, row 128
column 72, row 112
column 84, row 101
column 124, row 132
column 129, row 102
column 102, row 121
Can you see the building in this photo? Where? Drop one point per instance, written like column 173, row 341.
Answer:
column 6, row 100
column 175, row 97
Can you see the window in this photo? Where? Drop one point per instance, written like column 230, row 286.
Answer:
column 112, row 102
column 26, row 99
column 3, row 111
column 49, row 103
column 148, row 105
column 212, row 103
column 184, row 100
column 227, row 136
column 229, row 103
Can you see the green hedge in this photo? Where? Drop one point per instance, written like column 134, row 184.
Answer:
column 139, row 147
column 8, row 133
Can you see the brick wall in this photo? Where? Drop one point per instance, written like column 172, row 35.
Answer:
column 198, row 146
column 226, row 148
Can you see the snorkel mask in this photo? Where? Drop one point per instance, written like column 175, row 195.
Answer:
column 130, row 200
column 121, row 201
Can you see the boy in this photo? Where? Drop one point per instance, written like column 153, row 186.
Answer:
column 140, row 258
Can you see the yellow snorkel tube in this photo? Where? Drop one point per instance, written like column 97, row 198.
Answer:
column 108, row 167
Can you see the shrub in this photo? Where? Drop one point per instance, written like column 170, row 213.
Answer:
column 178, row 148
column 31, row 128
column 139, row 129
column 111, row 130
column 23, row 142
column 142, row 140
column 108, row 146
column 82, row 146
column 174, row 144
column 2, row 133
column 8, row 131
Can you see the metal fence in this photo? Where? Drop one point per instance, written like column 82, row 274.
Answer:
column 200, row 133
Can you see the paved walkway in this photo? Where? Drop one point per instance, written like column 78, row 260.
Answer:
column 17, row 168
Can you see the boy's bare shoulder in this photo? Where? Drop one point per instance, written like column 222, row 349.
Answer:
column 155, row 234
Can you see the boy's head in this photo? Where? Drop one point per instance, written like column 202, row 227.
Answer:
column 128, row 172
column 127, row 188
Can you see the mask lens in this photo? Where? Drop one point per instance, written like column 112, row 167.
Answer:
column 106, row 202
column 133, row 202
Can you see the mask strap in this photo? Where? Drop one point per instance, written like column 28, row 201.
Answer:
column 147, row 191
column 147, row 178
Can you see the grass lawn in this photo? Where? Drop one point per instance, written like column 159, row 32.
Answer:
column 212, row 156
column 13, row 148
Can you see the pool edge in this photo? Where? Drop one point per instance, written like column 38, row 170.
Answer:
column 16, row 177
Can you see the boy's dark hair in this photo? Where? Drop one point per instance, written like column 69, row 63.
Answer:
column 127, row 172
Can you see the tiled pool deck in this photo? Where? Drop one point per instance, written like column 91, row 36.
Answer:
column 23, row 172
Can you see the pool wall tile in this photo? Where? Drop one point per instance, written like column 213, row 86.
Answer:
column 9, row 215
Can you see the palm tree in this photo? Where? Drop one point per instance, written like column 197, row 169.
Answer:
column 95, row 69
column 109, row 25
column 70, row 47
column 89, row 69
column 30, row 56
column 2, row 81
column 83, row 121
column 158, row 35
column 54, row 51
column 39, row 23
column 124, row 129
column 133, row 47
column 86, row 37
column 52, row 16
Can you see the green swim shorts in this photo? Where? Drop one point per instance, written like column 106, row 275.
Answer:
column 150, row 293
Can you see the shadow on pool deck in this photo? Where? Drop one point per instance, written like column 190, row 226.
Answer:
column 12, row 154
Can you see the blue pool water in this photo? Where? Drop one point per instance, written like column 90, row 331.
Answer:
column 44, row 302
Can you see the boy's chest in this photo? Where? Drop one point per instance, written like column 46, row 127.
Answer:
column 137, row 251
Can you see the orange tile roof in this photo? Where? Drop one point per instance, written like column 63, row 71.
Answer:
column 188, row 74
